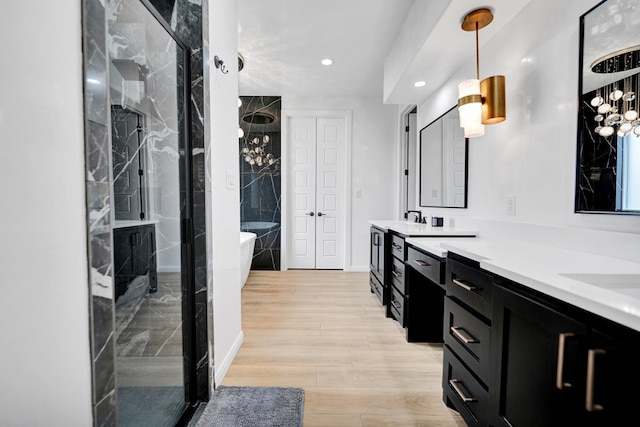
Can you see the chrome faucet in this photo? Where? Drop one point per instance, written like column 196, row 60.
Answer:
column 418, row 215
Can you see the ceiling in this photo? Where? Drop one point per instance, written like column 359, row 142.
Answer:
column 283, row 42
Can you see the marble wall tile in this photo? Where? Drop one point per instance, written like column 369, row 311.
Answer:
column 186, row 19
column 260, row 177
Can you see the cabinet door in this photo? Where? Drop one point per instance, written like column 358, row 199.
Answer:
column 374, row 254
column 612, row 371
column 538, row 371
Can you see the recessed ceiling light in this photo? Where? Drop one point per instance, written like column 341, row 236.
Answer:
column 420, row 83
column 327, row 61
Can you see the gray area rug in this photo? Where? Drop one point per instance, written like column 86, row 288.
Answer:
column 254, row 407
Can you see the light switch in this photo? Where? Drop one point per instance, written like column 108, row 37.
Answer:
column 358, row 194
column 511, row 205
column 231, row 180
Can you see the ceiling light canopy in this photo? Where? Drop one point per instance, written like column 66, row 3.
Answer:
column 480, row 102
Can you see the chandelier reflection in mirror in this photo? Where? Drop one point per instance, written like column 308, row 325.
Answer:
column 616, row 110
column 256, row 152
column 616, row 103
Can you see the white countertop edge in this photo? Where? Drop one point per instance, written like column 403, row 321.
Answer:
column 581, row 295
column 408, row 228
column 433, row 245
column 546, row 269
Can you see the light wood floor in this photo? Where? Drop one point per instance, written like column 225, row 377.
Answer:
column 325, row 332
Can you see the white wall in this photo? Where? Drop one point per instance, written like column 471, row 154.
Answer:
column 374, row 154
column 531, row 155
column 44, row 316
column 225, row 202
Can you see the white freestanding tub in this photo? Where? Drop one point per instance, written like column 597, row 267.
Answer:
column 247, row 243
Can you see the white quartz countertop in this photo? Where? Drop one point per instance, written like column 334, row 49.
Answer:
column 133, row 223
column 408, row 228
column 609, row 287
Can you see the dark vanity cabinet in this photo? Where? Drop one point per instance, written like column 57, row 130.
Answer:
column 424, row 296
column 569, row 366
column 134, row 256
column 396, row 308
column 467, row 337
column 514, row 357
column 377, row 264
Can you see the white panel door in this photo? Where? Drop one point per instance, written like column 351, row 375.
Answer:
column 302, row 190
column 316, row 193
column 330, row 194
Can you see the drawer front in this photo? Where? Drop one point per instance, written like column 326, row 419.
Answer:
column 468, row 337
column 430, row 267
column 463, row 392
column 396, row 306
column 469, row 285
column 397, row 275
column 376, row 288
column 397, row 247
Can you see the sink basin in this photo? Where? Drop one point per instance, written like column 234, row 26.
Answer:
column 608, row 281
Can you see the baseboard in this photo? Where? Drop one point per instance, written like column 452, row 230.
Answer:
column 359, row 269
column 223, row 368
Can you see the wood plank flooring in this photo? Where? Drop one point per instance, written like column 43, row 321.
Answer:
column 325, row 331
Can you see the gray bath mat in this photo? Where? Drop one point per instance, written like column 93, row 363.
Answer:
column 254, row 407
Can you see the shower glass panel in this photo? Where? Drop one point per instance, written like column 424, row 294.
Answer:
column 147, row 68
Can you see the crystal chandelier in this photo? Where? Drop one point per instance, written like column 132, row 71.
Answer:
column 256, row 153
column 615, row 111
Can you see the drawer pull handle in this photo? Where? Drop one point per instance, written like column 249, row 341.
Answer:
column 396, row 304
column 591, row 371
column 463, row 335
column 464, row 285
column 396, row 246
column 421, row 263
column 454, row 383
column 562, row 338
column 396, row 274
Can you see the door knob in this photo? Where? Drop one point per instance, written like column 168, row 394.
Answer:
column 310, row 214
column 320, row 214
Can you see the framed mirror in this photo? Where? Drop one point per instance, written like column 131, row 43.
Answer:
column 608, row 147
column 443, row 163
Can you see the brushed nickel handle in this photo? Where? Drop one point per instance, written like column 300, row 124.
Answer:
column 396, row 274
column 421, row 263
column 454, row 383
column 464, row 285
column 591, row 373
column 396, row 246
column 463, row 335
column 562, row 338
column 396, row 304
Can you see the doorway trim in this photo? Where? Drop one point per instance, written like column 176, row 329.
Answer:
column 347, row 115
column 404, row 162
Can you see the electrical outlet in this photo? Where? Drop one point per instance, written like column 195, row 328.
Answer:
column 511, row 204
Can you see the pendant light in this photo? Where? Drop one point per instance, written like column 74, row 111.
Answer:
column 480, row 102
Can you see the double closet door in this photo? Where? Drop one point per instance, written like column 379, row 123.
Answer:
column 316, row 149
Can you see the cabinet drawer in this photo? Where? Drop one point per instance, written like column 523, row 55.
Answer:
column 469, row 285
column 397, row 275
column 396, row 306
column 468, row 337
column 430, row 267
column 376, row 288
column 397, row 247
column 463, row 392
